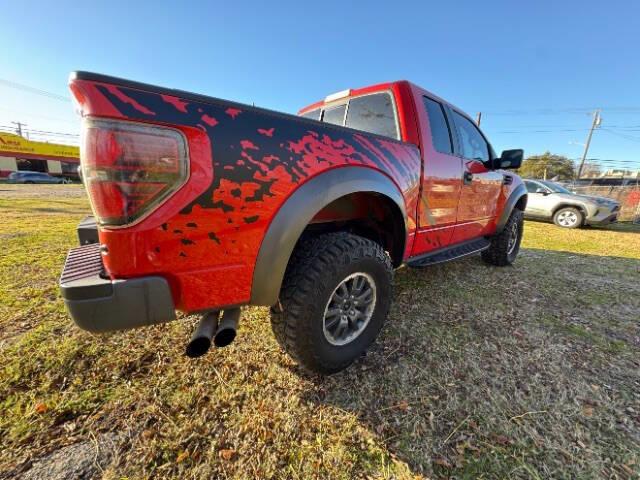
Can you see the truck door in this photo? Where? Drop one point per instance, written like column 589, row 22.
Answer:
column 480, row 187
column 441, row 173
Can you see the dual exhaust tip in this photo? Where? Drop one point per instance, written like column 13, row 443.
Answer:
column 209, row 330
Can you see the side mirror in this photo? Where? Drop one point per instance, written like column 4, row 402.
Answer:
column 542, row 191
column 511, row 159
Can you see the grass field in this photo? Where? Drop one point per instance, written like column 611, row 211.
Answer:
column 531, row 371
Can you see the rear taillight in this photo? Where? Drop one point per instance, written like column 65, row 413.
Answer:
column 129, row 169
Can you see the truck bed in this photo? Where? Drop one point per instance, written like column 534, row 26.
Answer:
column 245, row 162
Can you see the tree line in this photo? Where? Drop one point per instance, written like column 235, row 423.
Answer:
column 558, row 167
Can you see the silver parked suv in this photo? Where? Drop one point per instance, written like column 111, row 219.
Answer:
column 550, row 201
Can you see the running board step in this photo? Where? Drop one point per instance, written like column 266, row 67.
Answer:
column 450, row 253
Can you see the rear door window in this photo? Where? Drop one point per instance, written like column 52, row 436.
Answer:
column 440, row 132
column 373, row 113
column 335, row 115
column 472, row 143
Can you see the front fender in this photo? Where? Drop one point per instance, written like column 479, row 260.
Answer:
column 296, row 213
column 588, row 208
column 518, row 193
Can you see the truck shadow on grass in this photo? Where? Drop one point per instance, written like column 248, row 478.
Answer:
column 522, row 372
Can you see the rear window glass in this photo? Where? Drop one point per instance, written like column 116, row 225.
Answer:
column 440, row 133
column 373, row 113
column 335, row 115
column 312, row 114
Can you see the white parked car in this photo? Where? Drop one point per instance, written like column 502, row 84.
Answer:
column 553, row 202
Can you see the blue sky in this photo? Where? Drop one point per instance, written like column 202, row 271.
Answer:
column 535, row 69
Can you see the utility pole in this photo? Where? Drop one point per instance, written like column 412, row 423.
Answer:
column 20, row 125
column 596, row 123
column 478, row 118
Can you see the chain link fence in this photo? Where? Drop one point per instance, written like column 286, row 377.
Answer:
column 628, row 196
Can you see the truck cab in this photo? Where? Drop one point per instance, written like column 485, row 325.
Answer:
column 461, row 191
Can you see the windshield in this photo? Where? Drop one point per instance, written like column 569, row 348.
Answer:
column 554, row 187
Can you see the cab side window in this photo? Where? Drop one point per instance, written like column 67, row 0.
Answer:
column 312, row 114
column 472, row 143
column 440, row 132
column 373, row 113
column 335, row 115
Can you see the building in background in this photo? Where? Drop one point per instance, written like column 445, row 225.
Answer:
column 20, row 154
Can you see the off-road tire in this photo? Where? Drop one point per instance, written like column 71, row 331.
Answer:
column 500, row 253
column 317, row 266
column 572, row 210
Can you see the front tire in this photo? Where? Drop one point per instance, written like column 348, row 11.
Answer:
column 568, row 217
column 505, row 246
column 334, row 299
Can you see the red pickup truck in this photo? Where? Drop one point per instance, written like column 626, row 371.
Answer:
column 203, row 205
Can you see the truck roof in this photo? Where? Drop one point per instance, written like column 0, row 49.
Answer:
column 350, row 92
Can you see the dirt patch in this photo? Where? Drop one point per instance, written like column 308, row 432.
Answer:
column 86, row 460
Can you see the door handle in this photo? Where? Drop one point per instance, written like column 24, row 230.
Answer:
column 467, row 178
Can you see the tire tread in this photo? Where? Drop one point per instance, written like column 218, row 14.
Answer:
column 310, row 264
column 497, row 253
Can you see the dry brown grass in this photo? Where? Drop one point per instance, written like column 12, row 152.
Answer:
column 523, row 372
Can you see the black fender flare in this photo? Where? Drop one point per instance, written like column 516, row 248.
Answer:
column 515, row 196
column 297, row 211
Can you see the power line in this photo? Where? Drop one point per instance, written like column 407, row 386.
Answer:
column 570, row 126
column 544, row 131
column 590, row 160
column 42, row 135
column 36, row 115
column 595, row 162
column 19, row 127
column 624, row 129
column 40, row 132
column 627, row 137
column 560, row 111
column 37, row 91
